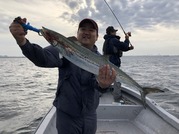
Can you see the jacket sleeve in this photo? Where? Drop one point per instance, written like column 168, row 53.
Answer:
column 97, row 87
column 42, row 57
column 123, row 46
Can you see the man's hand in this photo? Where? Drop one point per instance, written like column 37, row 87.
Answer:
column 106, row 76
column 127, row 35
column 18, row 32
column 131, row 47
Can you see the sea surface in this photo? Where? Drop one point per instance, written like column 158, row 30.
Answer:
column 27, row 91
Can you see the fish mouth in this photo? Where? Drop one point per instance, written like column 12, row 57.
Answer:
column 53, row 39
column 49, row 36
column 46, row 34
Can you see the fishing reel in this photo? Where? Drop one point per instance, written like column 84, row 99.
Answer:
column 128, row 34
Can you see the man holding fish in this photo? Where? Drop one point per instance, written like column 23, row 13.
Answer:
column 77, row 95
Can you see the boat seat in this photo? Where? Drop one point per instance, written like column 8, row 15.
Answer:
column 115, row 119
column 116, row 112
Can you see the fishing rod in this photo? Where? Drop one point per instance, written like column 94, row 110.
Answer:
column 129, row 34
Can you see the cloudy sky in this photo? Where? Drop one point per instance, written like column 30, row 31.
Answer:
column 154, row 23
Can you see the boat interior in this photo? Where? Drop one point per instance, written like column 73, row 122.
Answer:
column 127, row 116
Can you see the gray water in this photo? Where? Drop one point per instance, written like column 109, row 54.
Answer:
column 27, row 91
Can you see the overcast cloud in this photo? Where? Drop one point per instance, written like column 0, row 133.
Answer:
column 149, row 17
column 131, row 13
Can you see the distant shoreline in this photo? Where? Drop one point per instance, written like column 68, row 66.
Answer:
column 5, row 56
column 12, row 56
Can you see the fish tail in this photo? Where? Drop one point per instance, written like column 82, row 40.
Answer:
column 148, row 90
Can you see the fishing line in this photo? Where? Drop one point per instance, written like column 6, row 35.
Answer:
column 115, row 17
column 117, row 20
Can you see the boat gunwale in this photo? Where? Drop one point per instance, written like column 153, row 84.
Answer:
column 171, row 119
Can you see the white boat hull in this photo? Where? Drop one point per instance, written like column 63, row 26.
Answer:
column 116, row 118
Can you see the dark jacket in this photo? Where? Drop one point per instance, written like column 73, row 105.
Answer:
column 113, row 46
column 76, row 91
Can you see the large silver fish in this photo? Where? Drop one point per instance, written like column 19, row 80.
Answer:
column 90, row 61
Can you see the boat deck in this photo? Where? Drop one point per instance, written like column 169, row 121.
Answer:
column 117, row 127
column 130, row 118
column 117, row 118
column 120, row 121
column 113, row 119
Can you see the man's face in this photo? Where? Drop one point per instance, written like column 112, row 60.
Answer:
column 87, row 35
column 113, row 33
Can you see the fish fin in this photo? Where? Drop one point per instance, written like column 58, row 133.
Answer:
column 149, row 90
column 74, row 39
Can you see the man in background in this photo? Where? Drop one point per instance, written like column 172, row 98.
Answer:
column 114, row 48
